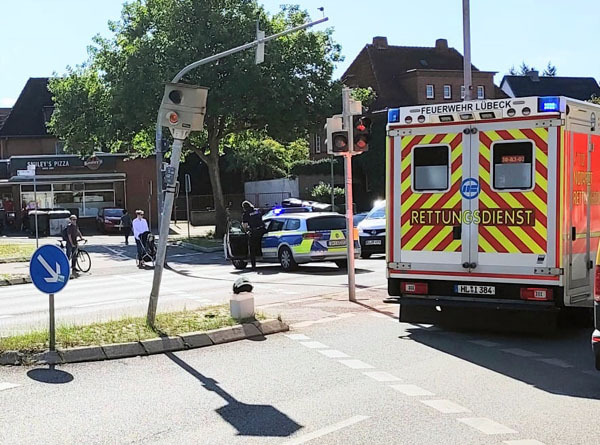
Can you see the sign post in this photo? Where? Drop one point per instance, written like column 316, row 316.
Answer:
column 49, row 271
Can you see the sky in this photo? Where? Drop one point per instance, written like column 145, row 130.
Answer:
column 41, row 37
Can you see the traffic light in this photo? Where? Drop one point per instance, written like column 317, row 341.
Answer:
column 183, row 108
column 337, row 138
column 361, row 131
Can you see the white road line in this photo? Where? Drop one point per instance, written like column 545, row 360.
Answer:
column 382, row 376
column 356, row 364
column 297, row 337
column 524, row 442
column 5, row 316
column 412, row 390
column 487, row 426
column 446, row 406
column 4, row 386
column 314, row 344
column 520, row 352
column 327, row 430
column 100, row 303
column 333, row 353
column 487, row 344
column 346, row 315
column 302, row 324
column 555, row 362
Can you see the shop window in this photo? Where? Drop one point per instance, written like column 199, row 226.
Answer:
column 99, row 186
column 40, row 188
column 431, row 168
column 94, row 201
column 512, row 165
column 61, row 187
column 430, row 94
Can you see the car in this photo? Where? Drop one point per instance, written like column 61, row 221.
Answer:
column 596, row 333
column 109, row 219
column 292, row 239
column 371, row 231
column 358, row 218
column 276, row 211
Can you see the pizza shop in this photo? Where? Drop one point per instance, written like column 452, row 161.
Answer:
column 82, row 185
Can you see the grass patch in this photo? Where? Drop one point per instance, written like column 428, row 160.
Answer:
column 124, row 330
column 10, row 276
column 16, row 251
column 204, row 241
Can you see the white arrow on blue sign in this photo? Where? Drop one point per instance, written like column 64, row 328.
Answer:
column 49, row 269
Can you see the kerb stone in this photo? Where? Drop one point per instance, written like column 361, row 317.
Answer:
column 84, row 354
column 121, row 350
column 196, row 340
column 163, row 344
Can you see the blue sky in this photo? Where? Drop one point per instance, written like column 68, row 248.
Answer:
column 40, row 37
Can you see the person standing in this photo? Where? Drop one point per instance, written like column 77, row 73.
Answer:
column 126, row 225
column 254, row 226
column 140, row 225
column 73, row 236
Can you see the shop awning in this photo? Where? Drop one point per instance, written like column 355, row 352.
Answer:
column 49, row 179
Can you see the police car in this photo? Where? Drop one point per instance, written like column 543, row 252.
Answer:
column 371, row 231
column 292, row 239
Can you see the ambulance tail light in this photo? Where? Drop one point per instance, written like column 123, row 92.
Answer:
column 597, row 285
column 536, row 294
column 312, row 236
column 415, row 288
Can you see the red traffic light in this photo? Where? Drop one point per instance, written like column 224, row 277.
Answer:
column 173, row 117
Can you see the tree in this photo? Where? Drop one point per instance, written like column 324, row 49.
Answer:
column 524, row 69
column 322, row 192
column 154, row 39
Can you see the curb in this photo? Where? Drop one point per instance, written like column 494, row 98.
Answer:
column 182, row 342
column 15, row 281
column 200, row 248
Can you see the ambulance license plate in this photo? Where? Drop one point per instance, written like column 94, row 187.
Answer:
column 474, row 290
column 336, row 242
column 373, row 242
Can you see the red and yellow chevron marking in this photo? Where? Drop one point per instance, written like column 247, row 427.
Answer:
column 511, row 238
column 427, row 237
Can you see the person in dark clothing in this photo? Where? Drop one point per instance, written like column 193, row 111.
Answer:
column 254, row 226
column 126, row 225
column 73, row 235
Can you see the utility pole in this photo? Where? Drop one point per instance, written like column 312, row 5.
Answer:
column 347, row 123
column 468, row 81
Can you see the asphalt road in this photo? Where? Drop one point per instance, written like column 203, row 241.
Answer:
column 365, row 379
column 115, row 287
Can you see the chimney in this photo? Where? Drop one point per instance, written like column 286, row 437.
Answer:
column 380, row 42
column 533, row 75
column 441, row 44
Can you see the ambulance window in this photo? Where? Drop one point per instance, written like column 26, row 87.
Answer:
column 513, row 165
column 431, row 166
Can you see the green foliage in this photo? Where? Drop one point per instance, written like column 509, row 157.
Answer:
column 320, row 167
column 595, row 100
column 322, row 192
column 549, row 71
column 366, row 95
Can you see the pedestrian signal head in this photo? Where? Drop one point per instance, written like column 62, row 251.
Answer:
column 361, row 131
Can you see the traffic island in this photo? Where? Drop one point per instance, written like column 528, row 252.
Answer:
column 131, row 337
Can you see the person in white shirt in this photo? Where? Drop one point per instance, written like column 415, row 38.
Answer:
column 140, row 225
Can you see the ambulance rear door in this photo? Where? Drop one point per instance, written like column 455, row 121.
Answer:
column 429, row 165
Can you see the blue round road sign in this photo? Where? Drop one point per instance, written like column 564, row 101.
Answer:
column 470, row 188
column 49, row 269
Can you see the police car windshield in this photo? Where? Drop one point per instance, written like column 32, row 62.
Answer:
column 376, row 213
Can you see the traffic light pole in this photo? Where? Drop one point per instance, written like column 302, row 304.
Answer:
column 347, row 122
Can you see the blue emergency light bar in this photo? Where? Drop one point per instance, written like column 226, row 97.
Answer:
column 548, row 104
column 393, row 115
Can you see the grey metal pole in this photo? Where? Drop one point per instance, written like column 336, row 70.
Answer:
column 164, row 232
column 52, row 326
column 347, row 122
column 37, row 237
column 468, row 81
column 332, row 185
column 187, row 200
column 159, row 161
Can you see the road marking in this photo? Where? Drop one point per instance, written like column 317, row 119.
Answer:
column 346, row 315
column 104, row 302
column 487, row 426
column 333, row 353
column 555, row 362
column 487, row 344
column 523, row 442
column 356, row 364
column 6, row 316
column 412, row 390
column 520, row 352
column 446, row 406
column 117, row 253
column 382, row 376
column 313, row 344
column 4, row 386
column 297, row 337
column 327, row 430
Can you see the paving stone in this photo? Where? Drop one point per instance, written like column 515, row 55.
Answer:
column 273, row 326
column 83, row 354
column 121, row 350
column 196, row 339
column 163, row 344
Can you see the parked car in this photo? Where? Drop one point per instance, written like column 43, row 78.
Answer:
column 109, row 219
column 358, row 218
column 371, row 231
column 596, row 333
column 292, row 239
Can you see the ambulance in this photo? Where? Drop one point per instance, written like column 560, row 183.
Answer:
column 493, row 205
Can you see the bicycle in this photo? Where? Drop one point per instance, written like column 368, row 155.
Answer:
column 83, row 261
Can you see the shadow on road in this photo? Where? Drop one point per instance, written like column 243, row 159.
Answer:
column 565, row 347
column 50, row 375
column 248, row 420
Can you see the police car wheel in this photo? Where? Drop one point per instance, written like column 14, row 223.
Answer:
column 286, row 259
column 239, row 264
column 342, row 264
column 365, row 256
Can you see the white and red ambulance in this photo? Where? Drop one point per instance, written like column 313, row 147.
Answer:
column 492, row 205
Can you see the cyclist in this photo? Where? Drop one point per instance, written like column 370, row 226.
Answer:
column 73, row 236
